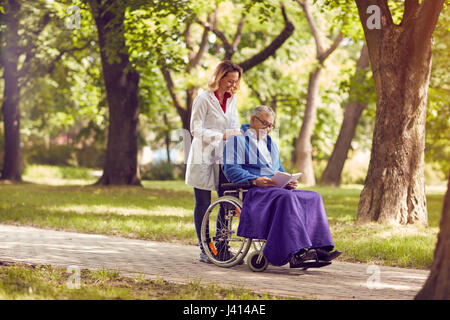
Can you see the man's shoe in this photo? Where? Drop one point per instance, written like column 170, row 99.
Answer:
column 300, row 259
column 327, row 256
column 204, row 258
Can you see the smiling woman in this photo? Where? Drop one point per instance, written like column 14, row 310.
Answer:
column 214, row 119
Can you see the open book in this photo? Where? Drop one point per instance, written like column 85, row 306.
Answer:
column 283, row 178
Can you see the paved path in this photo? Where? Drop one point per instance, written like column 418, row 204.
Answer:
column 178, row 263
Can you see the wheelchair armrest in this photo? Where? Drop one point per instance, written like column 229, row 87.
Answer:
column 235, row 186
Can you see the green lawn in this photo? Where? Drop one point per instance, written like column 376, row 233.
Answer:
column 162, row 211
column 41, row 282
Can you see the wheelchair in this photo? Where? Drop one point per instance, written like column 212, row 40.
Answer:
column 219, row 236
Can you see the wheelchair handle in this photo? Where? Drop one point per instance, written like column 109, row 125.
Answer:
column 235, row 186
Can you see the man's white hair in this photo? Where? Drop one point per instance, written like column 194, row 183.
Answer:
column 261, row 109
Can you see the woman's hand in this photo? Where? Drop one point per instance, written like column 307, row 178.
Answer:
column 231, row 133
column 264, row 182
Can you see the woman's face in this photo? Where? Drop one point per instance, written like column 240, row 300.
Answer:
column 227, row 83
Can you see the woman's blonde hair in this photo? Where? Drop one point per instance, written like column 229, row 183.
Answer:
column 221, row 72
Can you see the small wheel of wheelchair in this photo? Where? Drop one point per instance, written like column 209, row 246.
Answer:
column 253, row 263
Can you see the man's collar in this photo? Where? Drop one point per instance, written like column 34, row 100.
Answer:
column 252, row 133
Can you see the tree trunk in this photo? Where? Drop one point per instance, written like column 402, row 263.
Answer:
column 121, row 82
column 167, row 137
column 400, row 56
column 332, row 173
column 12, row 163
column 437, row 285
column 303, row 146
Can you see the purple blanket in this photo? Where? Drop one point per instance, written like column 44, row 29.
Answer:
column 289, row 220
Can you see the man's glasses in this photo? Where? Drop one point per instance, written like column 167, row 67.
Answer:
column 266, row 124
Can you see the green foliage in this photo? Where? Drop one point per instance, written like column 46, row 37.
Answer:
column 162, row 170
column 54, row 155
column 63, row 94
column 437, row 147
column 57, row 172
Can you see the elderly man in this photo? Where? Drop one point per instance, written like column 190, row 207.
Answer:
column 292, row 221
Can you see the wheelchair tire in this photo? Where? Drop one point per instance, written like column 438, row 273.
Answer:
column 217, row 233
column 252, row 262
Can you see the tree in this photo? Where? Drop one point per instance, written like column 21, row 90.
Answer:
column 357, row 103
column 437, row 285
column 12, row 169
column 400, row 57
column 230, row 48
column 15, row 46
column 303, row 148
column 121, row 82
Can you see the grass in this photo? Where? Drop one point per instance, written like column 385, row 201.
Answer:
column 43, row 282
column 162, row 211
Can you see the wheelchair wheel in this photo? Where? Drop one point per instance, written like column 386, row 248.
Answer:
column 254, row 265
column 218, row 233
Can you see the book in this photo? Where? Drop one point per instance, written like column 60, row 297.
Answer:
column 283, row 178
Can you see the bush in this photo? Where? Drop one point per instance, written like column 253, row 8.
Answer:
column 37, row 172
column 56, row 155
column 162, row 170
column 158, row 171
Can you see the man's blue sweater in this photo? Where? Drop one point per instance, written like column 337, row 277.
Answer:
column 242, row 161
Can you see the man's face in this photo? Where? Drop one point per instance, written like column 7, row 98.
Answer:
column 262, row 124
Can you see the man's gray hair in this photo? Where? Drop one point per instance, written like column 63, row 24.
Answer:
column 261, row 109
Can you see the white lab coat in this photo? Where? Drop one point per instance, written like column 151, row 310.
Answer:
column 208, row 124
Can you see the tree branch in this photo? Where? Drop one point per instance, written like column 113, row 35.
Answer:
column 411, row 11
column 273, row 46
column 333, row 47
column 52, row 64
column 194, row 59
column 238, row 34
column 187, row 39
column 312, row 26
column 321, row 53
column 226, row 45
column 171, row 87
column 429, row 15
column 426, row 22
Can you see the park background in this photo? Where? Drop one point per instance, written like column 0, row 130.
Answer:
column 306, row 59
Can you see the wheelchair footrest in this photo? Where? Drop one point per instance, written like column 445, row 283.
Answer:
column 312, row 264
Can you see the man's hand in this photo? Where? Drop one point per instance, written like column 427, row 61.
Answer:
column 264, row 182
column 292, row 185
